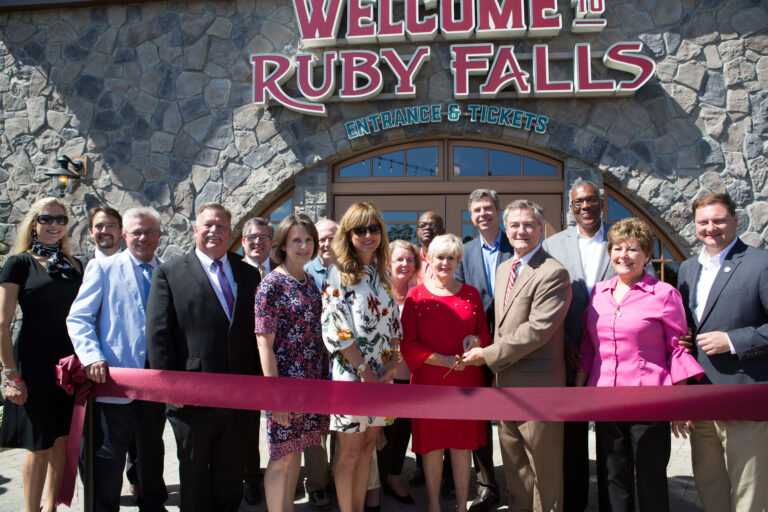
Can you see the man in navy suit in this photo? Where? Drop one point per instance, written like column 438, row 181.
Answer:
column 106, row 325
column 200, row 319
column 477, row 268
column 725, row 293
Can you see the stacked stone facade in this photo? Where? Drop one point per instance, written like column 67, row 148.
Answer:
column 158, row 97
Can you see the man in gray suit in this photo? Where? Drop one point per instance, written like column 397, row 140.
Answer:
column 582, row 250
column 725, row 293
column 478, row 268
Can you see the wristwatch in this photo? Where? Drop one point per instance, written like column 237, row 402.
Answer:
column 361, row 368
column 7, row 373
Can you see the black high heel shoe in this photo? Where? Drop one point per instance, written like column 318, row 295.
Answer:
column 389, row 491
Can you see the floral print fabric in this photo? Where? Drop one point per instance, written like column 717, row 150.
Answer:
column 366, row 315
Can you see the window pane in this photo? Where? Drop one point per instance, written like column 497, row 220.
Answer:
column 656, row 249
column 502, row 163
column 361, row 169
column 465, row 217
column 421, row 162
column 389, row 164
column 670, row 273
column 395, row 216
column 467, row 231
column 533, row 167
column 402, row 231
column 468, row 161
column 616, row 211
column 668, row 255
column 282, row 211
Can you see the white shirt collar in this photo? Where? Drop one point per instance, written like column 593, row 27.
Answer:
column 707, row 261
column 98, row 254
column 598, row 237
column 525, row 259
column 206, row 260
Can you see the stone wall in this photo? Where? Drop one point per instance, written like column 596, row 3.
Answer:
column 157, row 96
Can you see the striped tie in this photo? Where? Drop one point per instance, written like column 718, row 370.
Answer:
column 512, row 277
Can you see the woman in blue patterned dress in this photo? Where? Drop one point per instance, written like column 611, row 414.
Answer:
column 288, row 307
column 361, row 329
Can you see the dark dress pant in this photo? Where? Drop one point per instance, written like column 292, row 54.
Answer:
column 115, row 428
column 629, row 455
column 575, row 466
column 483, row 456
column 252, row 475
column 211, row 451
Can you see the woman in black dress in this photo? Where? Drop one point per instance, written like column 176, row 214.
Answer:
column 44, row 278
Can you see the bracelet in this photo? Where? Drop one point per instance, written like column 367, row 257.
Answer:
column 14, row 384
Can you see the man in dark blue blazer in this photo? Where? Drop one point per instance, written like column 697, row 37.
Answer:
column 725, row 293
column 200, row 319
column 477, row 268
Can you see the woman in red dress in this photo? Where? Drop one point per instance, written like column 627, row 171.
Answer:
column 442, row 318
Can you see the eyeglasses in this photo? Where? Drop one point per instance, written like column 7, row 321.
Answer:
column 253, row 238
column 61, row 220
column 150, row 233
column 591, row 201
column 373, row 229
column 433, row 225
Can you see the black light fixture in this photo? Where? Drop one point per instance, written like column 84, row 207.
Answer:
column 62, row 175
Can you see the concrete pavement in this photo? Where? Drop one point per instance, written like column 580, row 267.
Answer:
column 683, row 494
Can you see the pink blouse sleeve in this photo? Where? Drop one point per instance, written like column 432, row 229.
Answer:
column 681, row 364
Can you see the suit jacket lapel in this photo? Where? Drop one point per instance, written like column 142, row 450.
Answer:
column 727, row 269
column 572, row 246
column 202, row 283
column 129, row 278
column 237, row 275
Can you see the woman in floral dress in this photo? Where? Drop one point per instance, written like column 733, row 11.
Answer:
column 361, row 330
column 288, row 307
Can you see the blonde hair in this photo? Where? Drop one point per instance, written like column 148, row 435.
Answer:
column 23, row 241
column 448, row 244
column 631, row 228
column 347, row 262
column 408, row 246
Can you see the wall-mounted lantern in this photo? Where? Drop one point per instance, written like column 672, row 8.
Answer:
column 62, row 176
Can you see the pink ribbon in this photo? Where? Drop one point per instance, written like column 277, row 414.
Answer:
column 649, row 403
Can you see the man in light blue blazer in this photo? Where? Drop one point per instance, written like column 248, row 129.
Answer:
column 477, row 268
column 106, row 324
column 725, row 293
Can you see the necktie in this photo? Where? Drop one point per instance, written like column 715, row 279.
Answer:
column 226, row 289
column 512, row 277
column 261, row 270
column 146, row 278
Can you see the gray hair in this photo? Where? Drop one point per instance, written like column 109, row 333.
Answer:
column 525, row 204
column 142, row 211
column 581, row 182
column 259, row 221
column 483, row 193
column 449, row 244
column 325, row 220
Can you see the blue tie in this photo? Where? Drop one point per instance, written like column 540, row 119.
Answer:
column 146, row 275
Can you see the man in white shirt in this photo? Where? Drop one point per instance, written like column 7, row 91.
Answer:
column 104, row 227
column 725, row 293
column 582, row 250
column 106, row 325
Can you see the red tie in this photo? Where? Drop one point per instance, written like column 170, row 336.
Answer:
column 512, row 277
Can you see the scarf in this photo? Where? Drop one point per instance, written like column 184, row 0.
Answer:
column 57, row 263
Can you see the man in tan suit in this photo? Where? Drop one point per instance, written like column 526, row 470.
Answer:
column 532, row 295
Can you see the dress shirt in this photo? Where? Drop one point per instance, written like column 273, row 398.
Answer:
column 318, row 271
column 634, row 343
column 425, row 272
column 710, row 266
column 491, row 259
column 98, row 255
column 525, row 259
column 210, row 271
column 254, row 263
column 591, row 251
column 137, row 271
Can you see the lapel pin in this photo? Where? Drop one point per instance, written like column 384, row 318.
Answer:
column 727, row 269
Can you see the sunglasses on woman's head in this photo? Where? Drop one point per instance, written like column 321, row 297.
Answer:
column 61, row 220
column 373, row 229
